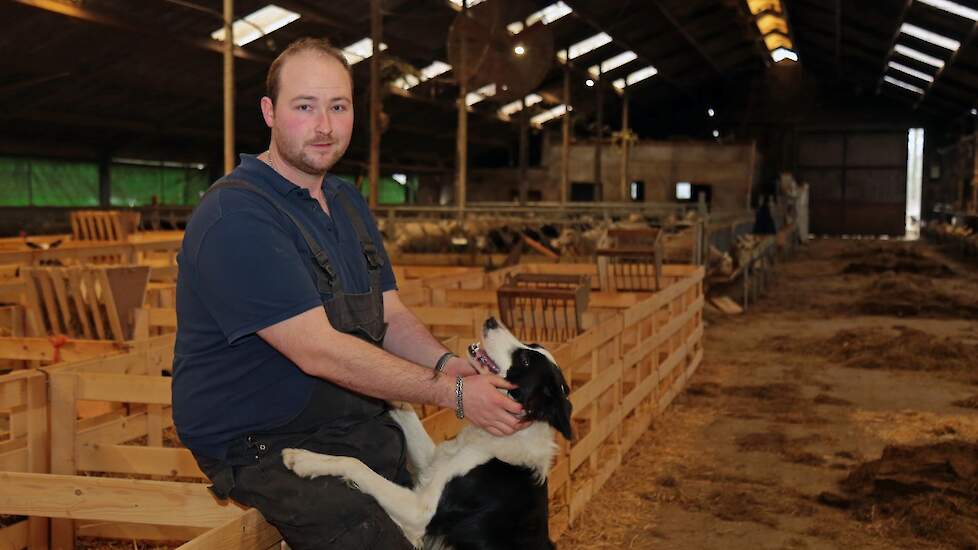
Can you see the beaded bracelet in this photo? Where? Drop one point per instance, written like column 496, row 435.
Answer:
column 459, row 411
column 443, row 360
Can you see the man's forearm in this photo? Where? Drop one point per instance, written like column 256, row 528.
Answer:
column 319, row 350
column 408, row 338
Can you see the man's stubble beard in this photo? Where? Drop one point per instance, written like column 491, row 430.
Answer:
column 296, row 156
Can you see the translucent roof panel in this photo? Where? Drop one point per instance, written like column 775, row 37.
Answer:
column 457, row 4
column 774, row 41
column 512, row 107
column 930, row 36
column 919, row 56
column 910, row 71
column 757, row 6
column 770, row 23
column 549, row 114
column 781, row 54
column 482, row 93
column 953, row 7
column 902, row 84
column 268, row 19
column 360, row 50
column 584, row 46
column 613, row 63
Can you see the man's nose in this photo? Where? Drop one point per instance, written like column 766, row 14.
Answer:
column 324, row 124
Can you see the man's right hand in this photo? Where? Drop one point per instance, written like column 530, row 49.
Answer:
column 488, row 408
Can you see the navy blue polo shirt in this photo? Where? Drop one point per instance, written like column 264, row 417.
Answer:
column 243, row 267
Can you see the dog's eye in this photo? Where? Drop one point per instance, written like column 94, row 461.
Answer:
column 524, row 361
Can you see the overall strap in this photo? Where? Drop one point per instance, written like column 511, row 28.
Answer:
column 327, row 281
column 374, row 260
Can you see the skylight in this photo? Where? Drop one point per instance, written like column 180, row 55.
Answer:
column 360, row 50
column 910, row 71
column 613, row 63
column 781, row 54
column 547, row 16
column 635, row 77
column 268, row 19
column 902, row 84
column 409, row 81
column 929, row 36
column 919, row 56
column 457, row 4
column 512, row 107
column 953, row 7
column 482, row 93
column 769, row 23
column 549, row 114
column 585, row 46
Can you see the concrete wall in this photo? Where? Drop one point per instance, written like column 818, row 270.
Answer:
column 730, row 169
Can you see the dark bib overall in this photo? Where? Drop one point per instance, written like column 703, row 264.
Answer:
column 323, row 512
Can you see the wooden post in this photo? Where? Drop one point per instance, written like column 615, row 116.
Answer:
column 598, row 137
column 565, row 143
column 974, row 176
column 375, row 106
column 461, row 136
column 625, row 147
column 228, row 86
column 62, row 393
column 524, row 150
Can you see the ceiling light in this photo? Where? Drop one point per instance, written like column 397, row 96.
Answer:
column 716, row 133
column 519, row 50
column 589, row 82
column 710, row 111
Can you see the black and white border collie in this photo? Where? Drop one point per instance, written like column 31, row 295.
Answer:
column 477, row 490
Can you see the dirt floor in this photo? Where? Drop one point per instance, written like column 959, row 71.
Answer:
column 839, row 412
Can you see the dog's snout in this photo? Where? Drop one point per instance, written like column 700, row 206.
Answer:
column 491, row 323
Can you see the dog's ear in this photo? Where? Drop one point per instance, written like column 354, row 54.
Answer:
column 559, row 413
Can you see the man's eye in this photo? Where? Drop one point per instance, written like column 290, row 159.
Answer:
column 304, row 107
column 339, row 108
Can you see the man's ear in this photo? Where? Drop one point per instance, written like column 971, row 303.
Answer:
column 268, row 111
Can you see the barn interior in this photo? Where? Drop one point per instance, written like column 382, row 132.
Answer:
column 746, row 229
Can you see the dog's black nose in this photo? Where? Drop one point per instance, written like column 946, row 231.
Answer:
column 491, row 323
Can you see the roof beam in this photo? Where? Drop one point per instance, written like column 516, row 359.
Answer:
column 85, row 14
column 682, row 32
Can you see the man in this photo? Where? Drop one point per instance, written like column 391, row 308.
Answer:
column 283, row 298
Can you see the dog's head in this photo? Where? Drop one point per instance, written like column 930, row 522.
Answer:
column 541, row 389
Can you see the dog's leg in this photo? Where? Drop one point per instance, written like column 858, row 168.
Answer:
column 407, row 510
column 420, row 448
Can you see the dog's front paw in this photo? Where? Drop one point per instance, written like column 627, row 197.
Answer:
column 309, row 464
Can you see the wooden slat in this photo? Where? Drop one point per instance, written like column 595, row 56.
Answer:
column 15, row 536
column 74, row 283
column 136, row 459
column 57, row 276
column 249, row 531
column 124, row 388
column 136, row 531
column 40, row 349
column 111, row 311
column 88, row 280
column 129, row 500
